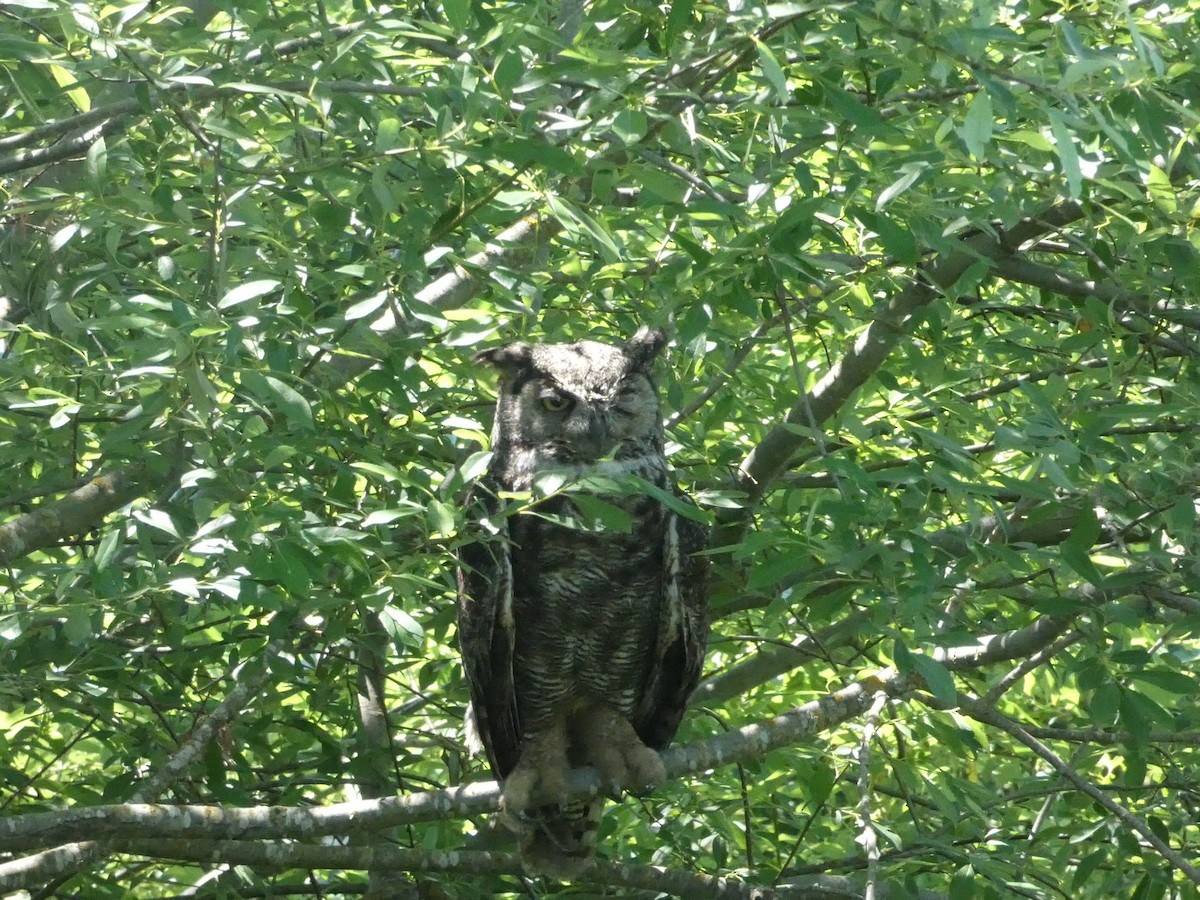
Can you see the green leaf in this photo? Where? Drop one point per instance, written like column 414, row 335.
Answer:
column 1075, row 549
column 441, row 520
column 630, row 125
column 911, row 172
column 458, row 13
column 97, row 162
column 402, row 628
column 158, row 520
column 66, row 80
column 936, row 677
column 601, row 515
column 77, row 626
column 1064, row 145
column 977, row 128
column 1104, row 703
column 668, row 186
column 575, row 220
column 679, row 18
column 1161, row 190
column 106, row 551
column 1168, row 680
column 364, row 308
column 508, row 73
column 383, row 471
column 330, row 535
column 250, row 290
column 535, row 150
column 387, row 134
column 772, row 72
column 1086, row 867
column 291, row 569
column 280, row 396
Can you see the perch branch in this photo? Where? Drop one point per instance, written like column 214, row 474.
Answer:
column 740, row 744
column 141, row 820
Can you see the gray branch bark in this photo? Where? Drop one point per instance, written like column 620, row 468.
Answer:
column 81, row 510
column 264, row 855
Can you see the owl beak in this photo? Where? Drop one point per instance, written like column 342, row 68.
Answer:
column 590, row 438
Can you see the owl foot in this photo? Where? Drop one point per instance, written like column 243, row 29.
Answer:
column 541, row 771
column 614, row 748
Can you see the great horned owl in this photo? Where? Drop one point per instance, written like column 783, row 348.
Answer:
column 580, row 646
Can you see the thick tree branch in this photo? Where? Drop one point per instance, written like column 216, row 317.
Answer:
column 774, row 660
column 264, row 855
column 1048, row 279
column 81, row 510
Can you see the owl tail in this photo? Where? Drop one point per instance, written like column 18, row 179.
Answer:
column 560, row 842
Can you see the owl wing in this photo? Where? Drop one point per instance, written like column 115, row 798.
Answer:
column 486, row 631
column 682, row 631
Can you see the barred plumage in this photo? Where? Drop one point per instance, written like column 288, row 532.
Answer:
column 580, row 646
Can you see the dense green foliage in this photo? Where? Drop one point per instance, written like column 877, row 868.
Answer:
column 930, row 275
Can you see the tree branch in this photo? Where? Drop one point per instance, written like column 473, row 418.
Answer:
column 215, row 822
column 996, row 719
column 189, row 823
column 62, row 860
column 265, row 855
column 1024, row 271
column 81, row 510
column 865, row 356
column 737, row 745
column 775, row 660
column 509, row 248
column 113, row 112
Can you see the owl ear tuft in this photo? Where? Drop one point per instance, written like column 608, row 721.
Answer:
column 645, row 346
column 507, row 359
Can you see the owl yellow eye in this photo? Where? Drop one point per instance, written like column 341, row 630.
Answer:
column 555, row 402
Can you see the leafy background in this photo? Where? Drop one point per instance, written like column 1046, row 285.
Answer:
column 929, row 271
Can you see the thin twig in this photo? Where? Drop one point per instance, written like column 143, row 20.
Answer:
column 996, row 691
column 996, row 719
column 869, row 839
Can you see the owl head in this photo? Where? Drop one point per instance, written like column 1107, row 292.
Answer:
column 576, row 404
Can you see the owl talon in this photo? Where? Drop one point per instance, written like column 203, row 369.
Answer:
column 625, row 764
column 540, row 770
